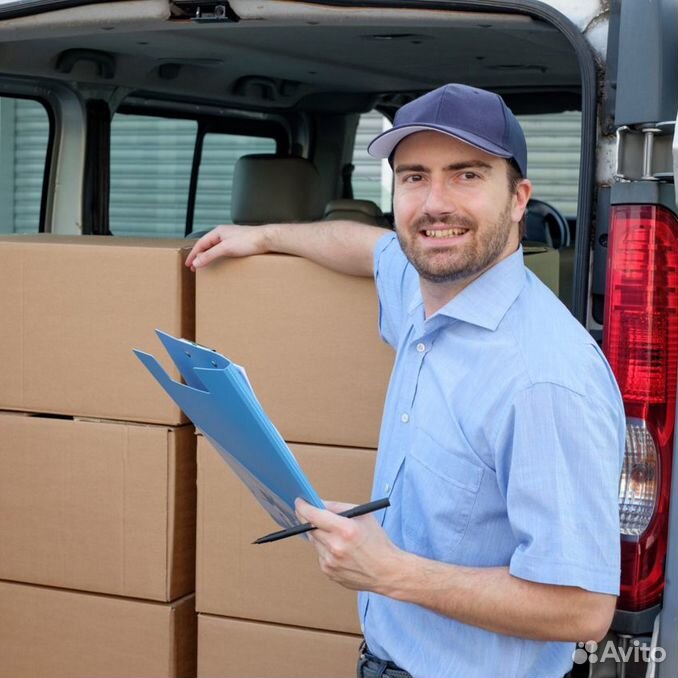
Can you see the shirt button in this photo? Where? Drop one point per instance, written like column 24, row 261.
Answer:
column 387, row 487
column 421, row 347
column 404, row 417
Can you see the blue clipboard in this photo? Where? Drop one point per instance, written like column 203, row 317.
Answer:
column 218, row 399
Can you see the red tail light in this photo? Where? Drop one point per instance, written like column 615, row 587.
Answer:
column 641, row 343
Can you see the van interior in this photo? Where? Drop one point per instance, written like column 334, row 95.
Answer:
column 175, row 94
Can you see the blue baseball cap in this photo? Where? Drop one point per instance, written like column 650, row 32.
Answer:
column 475, row 116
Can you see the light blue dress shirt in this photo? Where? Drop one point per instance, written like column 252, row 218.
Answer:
column 501, row 445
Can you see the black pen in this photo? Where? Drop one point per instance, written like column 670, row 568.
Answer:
column 307, row 527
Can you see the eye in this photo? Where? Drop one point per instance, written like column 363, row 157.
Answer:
column 412, row 178
column 470, row 176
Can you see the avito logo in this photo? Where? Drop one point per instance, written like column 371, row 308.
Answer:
column 635, row 652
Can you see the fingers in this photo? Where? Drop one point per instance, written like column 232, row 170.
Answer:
column 324, row 519
column 196, row 258
column 338, row 506
column 227, row 241
column 220, row 249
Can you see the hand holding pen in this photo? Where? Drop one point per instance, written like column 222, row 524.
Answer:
column 353, row 512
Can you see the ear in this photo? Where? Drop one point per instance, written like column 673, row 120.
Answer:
column 520, row 199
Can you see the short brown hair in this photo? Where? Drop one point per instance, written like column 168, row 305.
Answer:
column 515, row 176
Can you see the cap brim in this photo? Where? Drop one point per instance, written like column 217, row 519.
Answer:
column 383, row 145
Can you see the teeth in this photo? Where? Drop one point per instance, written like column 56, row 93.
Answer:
column 448, row 233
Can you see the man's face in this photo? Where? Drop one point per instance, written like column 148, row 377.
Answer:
column 454, row 213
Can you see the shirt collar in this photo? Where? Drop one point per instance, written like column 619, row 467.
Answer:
column 487, row 299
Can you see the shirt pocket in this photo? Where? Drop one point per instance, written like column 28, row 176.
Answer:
column 440, row 487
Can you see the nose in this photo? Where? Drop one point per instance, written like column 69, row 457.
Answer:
column 438, row 201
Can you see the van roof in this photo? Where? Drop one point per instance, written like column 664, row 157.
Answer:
column 281, row 55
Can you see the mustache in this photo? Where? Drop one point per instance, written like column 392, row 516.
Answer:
column 449, row 220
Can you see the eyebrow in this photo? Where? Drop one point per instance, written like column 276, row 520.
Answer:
column 453, row 167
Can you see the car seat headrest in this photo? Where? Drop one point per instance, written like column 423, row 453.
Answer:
column 273, row 188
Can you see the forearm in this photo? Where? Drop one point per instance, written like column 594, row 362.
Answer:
column 343, row 246
column 358, row 554
column 493, row 599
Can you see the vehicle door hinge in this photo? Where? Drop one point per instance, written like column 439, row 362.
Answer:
column 644, row 152
column 203, row 11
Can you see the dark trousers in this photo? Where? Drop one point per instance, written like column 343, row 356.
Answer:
column 370, row 666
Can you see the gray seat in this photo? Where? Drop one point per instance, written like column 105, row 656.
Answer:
column 363, row 211
column 274, row 189
column 271, row 189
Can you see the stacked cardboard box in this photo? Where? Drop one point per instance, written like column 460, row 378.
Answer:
column 62, row 633
column 320, row 371
column 97, row 466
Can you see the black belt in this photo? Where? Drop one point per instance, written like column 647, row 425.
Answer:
column 370, row 666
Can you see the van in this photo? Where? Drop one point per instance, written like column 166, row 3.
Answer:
column 127, row 118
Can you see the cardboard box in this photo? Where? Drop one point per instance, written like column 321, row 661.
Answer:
column 278, row 582
column 309, row 340
column 98, row 506
column 67, row 634
column 233, row 647
column 73, row 308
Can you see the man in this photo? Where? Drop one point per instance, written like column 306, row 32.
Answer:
column 503, row 430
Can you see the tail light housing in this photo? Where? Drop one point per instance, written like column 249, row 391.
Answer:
column 640, row 340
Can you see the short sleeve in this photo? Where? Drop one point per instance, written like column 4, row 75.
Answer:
column 559, row 456
column 394, row 277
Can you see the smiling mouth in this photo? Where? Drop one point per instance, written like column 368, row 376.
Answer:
column 446, row 233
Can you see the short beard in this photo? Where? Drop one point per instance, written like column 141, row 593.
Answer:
column 475, row 257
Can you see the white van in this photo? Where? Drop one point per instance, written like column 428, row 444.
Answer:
column 126, row 118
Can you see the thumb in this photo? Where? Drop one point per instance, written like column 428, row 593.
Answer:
column 320, row 518
column 301, row 508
